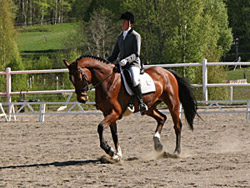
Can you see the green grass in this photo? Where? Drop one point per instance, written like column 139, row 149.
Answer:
column 239, row 74
column 31, row 38
column 240, row 92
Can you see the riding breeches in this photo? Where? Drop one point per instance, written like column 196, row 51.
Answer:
column 135, row 72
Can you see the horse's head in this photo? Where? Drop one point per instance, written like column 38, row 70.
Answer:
column 80, row 78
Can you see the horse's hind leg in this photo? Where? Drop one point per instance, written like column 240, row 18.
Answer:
column 174, row 111
column 173, row 104
column 160, row 118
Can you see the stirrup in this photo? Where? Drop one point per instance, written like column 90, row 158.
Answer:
column 143, row 108
column 129, row 110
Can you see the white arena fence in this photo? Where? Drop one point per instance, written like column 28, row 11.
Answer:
column 61, row 111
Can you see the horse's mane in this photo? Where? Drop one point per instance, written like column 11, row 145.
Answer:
column 94, row 57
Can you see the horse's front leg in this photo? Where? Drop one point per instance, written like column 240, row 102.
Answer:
column 108, row 121
column 103, row 144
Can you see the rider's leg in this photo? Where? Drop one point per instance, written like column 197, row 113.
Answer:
column 135, row 72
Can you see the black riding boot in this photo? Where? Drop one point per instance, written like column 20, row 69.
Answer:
column 142, row 106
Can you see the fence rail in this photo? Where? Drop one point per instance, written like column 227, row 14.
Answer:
column 204, row 64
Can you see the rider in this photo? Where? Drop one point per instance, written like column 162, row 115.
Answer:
column 128, row 44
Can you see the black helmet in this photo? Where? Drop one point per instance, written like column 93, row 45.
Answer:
column 128, row 16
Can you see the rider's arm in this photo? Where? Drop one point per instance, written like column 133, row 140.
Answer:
column 136, row 50
column 131, row 58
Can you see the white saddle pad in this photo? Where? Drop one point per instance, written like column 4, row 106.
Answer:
column 146, row 82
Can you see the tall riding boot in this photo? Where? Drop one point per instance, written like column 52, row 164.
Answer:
column 142, row 106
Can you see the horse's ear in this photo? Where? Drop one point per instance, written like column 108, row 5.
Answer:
column 67, row 64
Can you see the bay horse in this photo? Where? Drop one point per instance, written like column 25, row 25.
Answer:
column 112, row 99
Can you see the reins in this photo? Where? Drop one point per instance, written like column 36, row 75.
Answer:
column 94, row 86
column 85, row 78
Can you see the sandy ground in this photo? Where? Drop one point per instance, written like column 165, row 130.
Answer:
column 64, row 152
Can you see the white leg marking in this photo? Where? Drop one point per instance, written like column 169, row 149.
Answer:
column 118, row 154
column 157, row 135
column 157, row 143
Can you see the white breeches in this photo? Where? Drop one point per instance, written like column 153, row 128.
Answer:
column 135, row 72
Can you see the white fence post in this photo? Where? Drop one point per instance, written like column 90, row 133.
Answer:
column 42, row 112
column 8, row 84
column 204, row 79
column 231, row 93
column 8, row 90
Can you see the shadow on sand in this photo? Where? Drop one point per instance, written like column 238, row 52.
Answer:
column 57, row 164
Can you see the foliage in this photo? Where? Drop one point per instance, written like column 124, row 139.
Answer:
column 18, row 81
column 84, row 9
column 173, row 31
column 31, row 12
column 239, row 16
column 8, row 47
column 100, row 33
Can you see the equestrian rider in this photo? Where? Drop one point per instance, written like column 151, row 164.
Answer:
column 128, row 45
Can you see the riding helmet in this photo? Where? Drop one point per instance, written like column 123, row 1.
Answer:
column 128, row 16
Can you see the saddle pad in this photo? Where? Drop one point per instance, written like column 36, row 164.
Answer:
column 146, row 82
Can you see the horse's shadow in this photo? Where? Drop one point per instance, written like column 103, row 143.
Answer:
column 57, row 164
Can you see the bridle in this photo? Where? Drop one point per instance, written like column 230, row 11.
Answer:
column 87, row 83
column 85, row 80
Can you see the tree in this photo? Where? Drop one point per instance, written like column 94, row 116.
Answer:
column 114, row 6
column 180, row 30
column 100, row 33
column 8, row 46
column 9, row 54
column 238, row 13
column 31, row 12
column 152, row 23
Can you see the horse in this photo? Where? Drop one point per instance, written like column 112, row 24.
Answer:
column 112, row 99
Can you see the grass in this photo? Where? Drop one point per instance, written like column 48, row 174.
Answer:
column 240, row 92
column 32, row 38
column 239, row 74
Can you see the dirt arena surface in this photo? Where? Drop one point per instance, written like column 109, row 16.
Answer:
column 64, row 152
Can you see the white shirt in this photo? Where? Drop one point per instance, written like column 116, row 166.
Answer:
column 125, row 33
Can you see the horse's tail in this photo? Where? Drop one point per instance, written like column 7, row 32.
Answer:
column 187, row 99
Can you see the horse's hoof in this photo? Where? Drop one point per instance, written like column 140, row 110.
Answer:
column 157, row 144
column 106, row 159
column 158, row 147
column 116, row 158
column 169, row 155
column 177, row 152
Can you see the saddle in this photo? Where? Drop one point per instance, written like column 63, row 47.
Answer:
column 146, row 82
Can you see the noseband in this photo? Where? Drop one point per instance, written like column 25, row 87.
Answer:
column 86, row 88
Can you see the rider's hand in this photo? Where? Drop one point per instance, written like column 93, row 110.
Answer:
column 123, row 62
column 116, row 68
